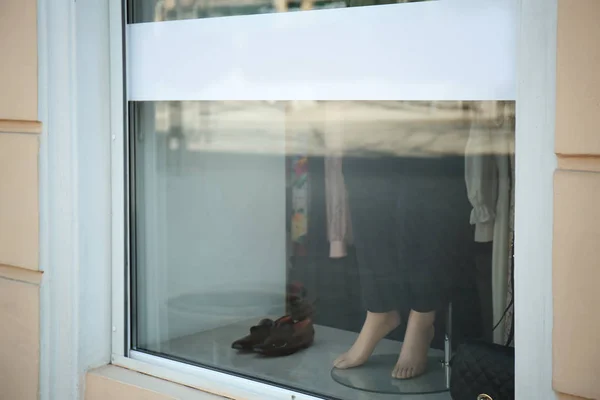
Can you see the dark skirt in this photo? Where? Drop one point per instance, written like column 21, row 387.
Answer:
column 411, row 228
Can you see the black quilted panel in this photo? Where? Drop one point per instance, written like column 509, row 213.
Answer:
column 483, row 368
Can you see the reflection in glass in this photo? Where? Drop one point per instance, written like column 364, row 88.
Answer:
column 170, row 10
column 324, row 231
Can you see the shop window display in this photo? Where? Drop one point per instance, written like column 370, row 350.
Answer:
column 333, row 247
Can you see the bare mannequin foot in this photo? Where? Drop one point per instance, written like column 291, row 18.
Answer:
column 412, row 361
column 375, row 328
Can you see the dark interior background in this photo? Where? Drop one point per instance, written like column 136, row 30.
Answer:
column 334, row 287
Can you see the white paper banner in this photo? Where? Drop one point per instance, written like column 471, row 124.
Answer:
column 438, row 50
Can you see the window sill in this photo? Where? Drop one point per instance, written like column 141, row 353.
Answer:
column 112, row 382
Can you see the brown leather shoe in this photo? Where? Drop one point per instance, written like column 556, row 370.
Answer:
column 299, row 308
column 287, row 337
column 258, row 334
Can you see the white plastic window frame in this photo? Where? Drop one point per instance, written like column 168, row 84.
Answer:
column 533, row 242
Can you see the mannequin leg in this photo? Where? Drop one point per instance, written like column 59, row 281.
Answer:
column 433, row 229
column 372, row 206
column 412, row 361
column 376, row 327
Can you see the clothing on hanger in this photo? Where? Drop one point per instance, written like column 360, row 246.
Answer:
column 339, row 225
column 300, row 196
column 487, row 176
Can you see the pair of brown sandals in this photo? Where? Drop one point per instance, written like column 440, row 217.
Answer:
column 284, row 336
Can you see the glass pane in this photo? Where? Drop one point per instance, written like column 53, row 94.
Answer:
column 171, row 10
column 318, row 245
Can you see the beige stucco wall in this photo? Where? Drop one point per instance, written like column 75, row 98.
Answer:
column 563, row 396
column 20, row 281
column 576, row 247
column 577, row 78
column 18, row 68
column 19, row 333
column 19, row 206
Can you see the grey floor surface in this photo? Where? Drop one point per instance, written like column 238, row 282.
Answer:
column 308, row 370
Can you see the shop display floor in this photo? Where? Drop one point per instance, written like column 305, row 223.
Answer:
column 308, row 370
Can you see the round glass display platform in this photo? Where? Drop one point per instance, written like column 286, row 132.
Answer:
column 375, row 376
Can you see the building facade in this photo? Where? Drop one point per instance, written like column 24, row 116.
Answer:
column 66, row 110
